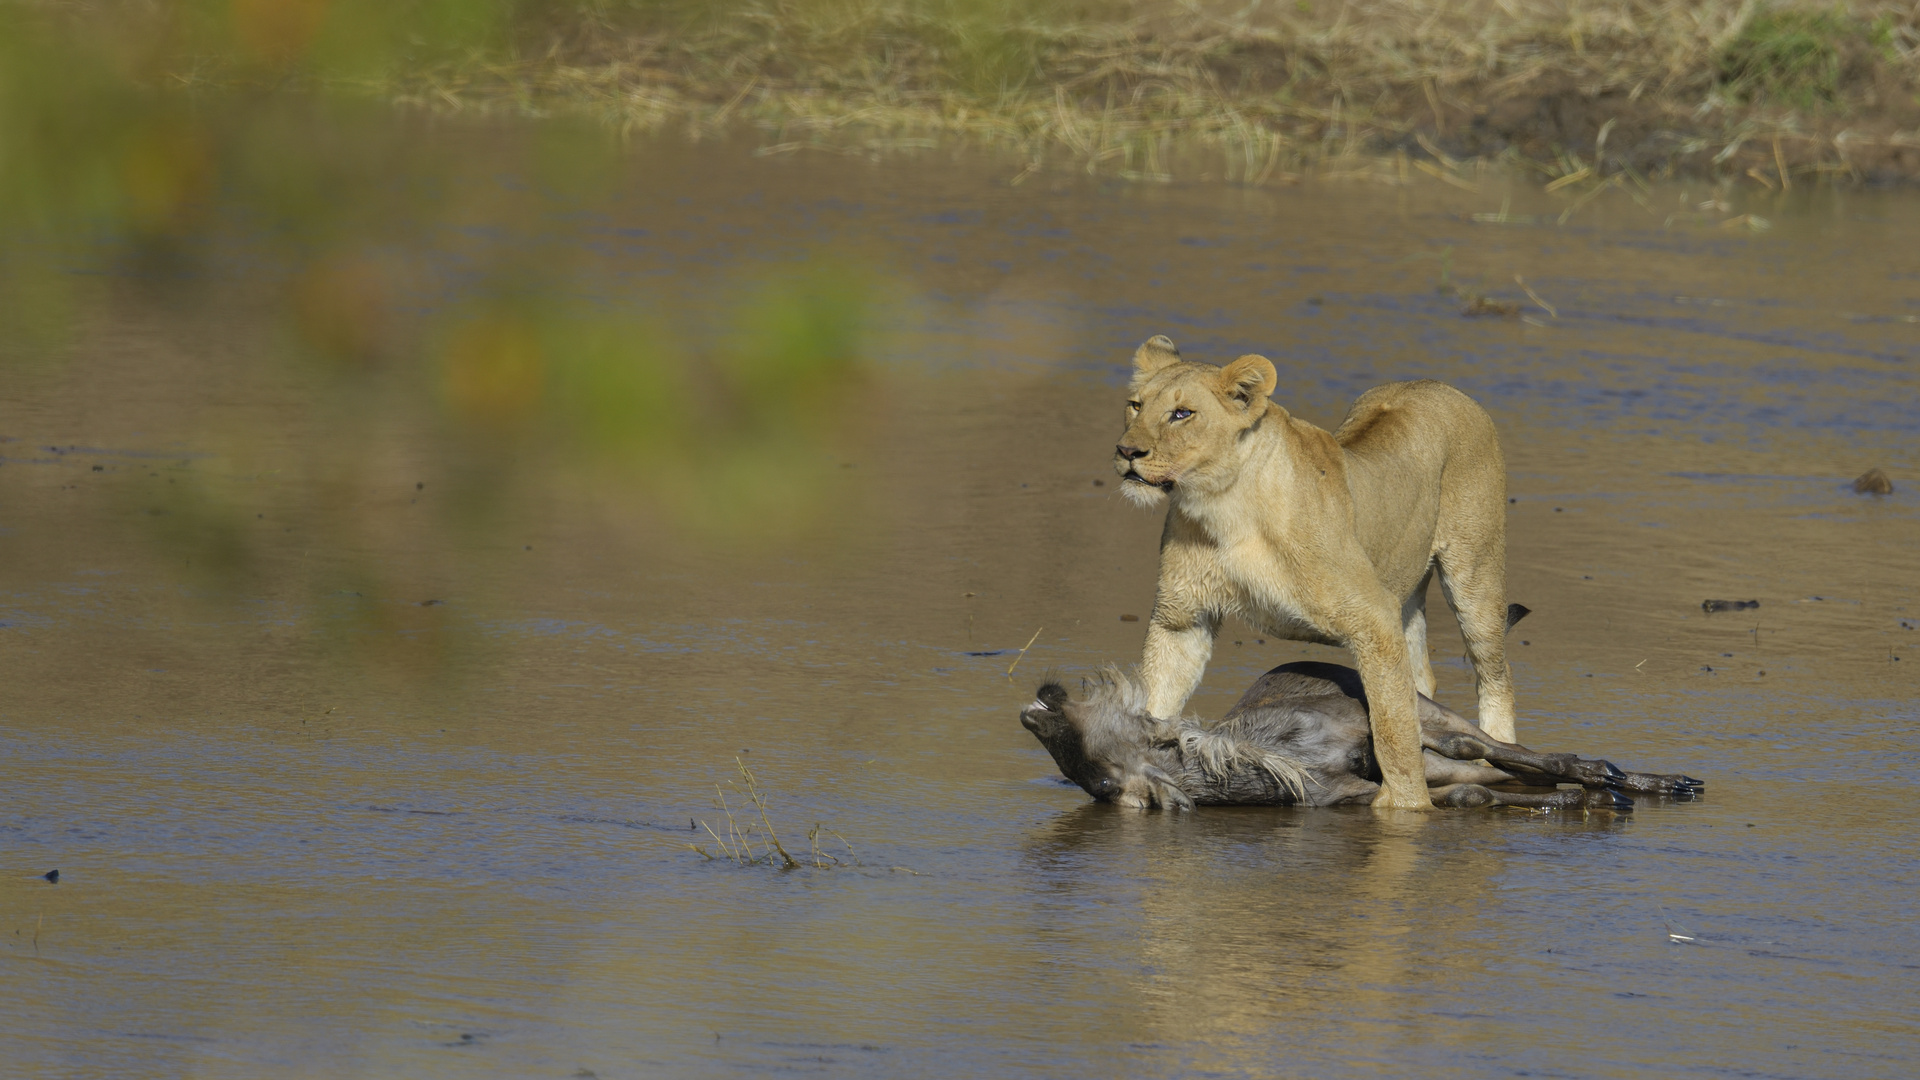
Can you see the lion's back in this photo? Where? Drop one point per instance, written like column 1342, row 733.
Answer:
column 1425, row 471
column 1422, row 415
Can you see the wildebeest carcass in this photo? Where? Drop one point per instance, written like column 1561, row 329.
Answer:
column 1299, row 737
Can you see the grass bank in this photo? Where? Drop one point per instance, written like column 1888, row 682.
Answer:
column 1576, row 90
column 1764, row 92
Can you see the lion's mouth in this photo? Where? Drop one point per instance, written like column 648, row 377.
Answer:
column 1132, row 477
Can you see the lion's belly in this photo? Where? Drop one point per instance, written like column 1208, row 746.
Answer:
column 1262, row 598
column 1287, row 626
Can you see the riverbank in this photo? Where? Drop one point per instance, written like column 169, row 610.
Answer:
column 1576, row 92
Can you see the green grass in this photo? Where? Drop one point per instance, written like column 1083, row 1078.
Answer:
column 1793, row 57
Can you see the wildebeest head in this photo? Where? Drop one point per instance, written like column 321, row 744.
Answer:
column 1106, row 743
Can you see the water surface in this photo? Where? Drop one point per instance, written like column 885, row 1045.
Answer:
column 377, row 751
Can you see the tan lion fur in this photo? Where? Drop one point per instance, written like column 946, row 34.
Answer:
column 1312, row 536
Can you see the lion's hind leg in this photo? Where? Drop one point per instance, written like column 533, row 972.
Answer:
column 1476, row 591
column 1413, row 616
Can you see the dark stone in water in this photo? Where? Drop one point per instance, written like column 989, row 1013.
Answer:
column 1481, row 307
column 53, row 876
column 1129, row 618
column 1711, row 606
column 1873, row 482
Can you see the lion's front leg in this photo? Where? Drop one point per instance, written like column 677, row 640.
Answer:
column 1380, row 652
column 1187, row 609
column 1175, row 658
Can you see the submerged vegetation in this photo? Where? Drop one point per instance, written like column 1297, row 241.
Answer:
column 751, row 840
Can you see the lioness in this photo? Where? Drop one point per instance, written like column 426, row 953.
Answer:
column 1318, row 537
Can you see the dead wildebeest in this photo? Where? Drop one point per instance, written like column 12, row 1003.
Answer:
column 1299, row 737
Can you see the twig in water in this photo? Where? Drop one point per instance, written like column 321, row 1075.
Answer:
column 742, row 850
column 1534, row 296
column 1023, row 651
column 1570, row 179
column 1444, row 176
column 716, row 839
column 760, row 804
column 820, row 858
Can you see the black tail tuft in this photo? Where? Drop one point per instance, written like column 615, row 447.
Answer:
column 1516, row 612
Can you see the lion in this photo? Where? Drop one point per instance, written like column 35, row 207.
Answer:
column 1329, row 538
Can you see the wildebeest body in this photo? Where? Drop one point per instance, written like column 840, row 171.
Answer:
column 1300, row 736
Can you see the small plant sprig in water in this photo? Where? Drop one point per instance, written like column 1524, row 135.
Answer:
column 738, row 846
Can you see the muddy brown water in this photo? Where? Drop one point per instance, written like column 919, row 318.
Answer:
column 408, row 794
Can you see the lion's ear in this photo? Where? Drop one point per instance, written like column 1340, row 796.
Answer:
column 1248, row 379
column 1155, row 353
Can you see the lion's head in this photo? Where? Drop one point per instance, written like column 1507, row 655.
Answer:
column 1184, row 420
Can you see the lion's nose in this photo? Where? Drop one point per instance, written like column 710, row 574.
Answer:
column 1130, row 453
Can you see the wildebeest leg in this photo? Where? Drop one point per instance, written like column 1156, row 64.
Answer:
column 1587, row 772
column 1442, row 771
column 1461, row 796
column 1335, row 790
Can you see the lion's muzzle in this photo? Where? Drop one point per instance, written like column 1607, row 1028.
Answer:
column 1131, row 475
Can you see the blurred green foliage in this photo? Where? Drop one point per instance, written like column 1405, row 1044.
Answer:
column 334, row 347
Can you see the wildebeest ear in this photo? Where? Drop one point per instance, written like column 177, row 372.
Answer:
column 1165, row 791
column 1248, row 379
column 1155, row 353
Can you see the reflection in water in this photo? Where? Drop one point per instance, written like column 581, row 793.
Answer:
column 1237, row 922
column 383, row 588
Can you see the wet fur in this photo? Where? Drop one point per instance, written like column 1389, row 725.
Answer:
column 1299, row 736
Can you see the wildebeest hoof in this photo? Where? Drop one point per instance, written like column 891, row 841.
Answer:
column 1466, row 796
column 1462, row 747
column 1676, row 786
column 1605, row 799
column 1590, row 773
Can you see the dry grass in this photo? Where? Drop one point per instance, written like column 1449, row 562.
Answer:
column 1580, row 90
column 751, row 840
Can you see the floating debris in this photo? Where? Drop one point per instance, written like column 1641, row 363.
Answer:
column 1873, row 482
column 1481, row 307
column 1711, row 606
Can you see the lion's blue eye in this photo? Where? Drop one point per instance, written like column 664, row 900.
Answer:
column 1181, row 414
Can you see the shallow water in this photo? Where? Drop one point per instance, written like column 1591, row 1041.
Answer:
column 401, row 787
